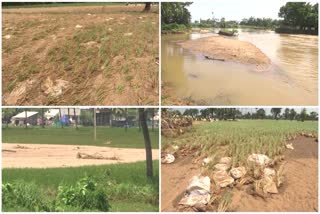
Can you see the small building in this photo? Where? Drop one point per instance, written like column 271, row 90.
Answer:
column 23, row 118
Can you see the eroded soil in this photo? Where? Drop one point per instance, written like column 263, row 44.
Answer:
column 86, row 55
column 299, row 192
column 47, row 156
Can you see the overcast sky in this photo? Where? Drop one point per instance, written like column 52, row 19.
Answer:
column 236, row 9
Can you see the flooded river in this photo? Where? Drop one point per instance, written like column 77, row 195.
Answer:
column 292, row 80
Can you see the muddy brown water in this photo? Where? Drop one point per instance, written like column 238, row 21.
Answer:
column 292, row 79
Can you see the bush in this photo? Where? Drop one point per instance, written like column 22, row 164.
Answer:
column 173, row 27
column 83, row 195
column 28, row 195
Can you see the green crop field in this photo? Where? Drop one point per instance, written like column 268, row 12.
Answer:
column 238, row 139
column 119, row 187
column 118, row 137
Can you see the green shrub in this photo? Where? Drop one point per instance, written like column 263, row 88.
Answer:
column 173, row 27
column 26, row 195
column 83, row 195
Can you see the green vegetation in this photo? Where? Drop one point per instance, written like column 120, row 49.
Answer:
column 238, row 139
column 120, row 187
column 301, row 17
column 132, row 138
column 175, row 17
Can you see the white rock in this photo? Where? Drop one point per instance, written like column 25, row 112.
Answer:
column 79, row 26
column 222, row 178
column 7, row 36
column 225, row 160
column 206, row 161
column 268, row 172
column 198, row 191
column 128, row 34
column 289, row 146
column 221, row 166
column 168, row 158
column 259, row 159
column 238, row 172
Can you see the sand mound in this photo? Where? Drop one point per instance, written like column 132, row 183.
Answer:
column 228, row 49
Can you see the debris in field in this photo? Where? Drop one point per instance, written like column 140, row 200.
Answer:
column 109, row 19
column 21, row 147
column 269, row 185
column 238, row 172
column 198, row 192
column 221, row 166
column 123, row 18
column 55, row 89
column 222, row 178
column 206, row 161
column 7, row 36
column 259, row 159
column 89, row 44
column 9, row 150
column 168, row 158
column 289, row 146
column 225, row 160
column 140, row 17
column 199, row 207
column 89, row 14
column 268, row 172
column 128, row 34
column 79, row 26
column 81, row 155
column 110, row 29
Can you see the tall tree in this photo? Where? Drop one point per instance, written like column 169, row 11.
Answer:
column 60, row 115
column 147, row 7
column 293, row 114
column 75, row 118
column 95, row 124
column 26, row 115
column 42, row 118
column 303, row 114
column 276, row 112
column 147, row 141
column 286, row 114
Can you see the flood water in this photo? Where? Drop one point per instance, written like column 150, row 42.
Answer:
column 292, row 79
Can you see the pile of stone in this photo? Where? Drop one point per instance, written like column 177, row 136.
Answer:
column 175, row 125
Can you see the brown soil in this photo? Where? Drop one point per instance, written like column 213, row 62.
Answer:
column 47, row 156
column 175, row 178
column 228, row 49
column 300, row 191
column 110, row 59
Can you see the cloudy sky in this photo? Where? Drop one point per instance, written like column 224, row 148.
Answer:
column 236, row 9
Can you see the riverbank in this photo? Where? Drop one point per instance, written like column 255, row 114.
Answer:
column 296, row 31
column 226, row 49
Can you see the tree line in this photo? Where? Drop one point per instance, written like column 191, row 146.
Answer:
column 258, row 113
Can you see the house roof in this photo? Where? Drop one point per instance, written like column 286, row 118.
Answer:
column 22, row 115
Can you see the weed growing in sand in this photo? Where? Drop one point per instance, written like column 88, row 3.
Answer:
column 238, row 139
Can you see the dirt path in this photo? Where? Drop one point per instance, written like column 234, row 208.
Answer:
column 175, row 178
column 299, row 193
column 228, row 49
column 46, row 156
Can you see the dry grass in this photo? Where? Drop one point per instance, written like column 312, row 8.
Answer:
column 110, row 59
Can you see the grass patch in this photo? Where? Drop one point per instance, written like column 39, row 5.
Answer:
column 133, row 138
column 23, row 5
column 125, row 187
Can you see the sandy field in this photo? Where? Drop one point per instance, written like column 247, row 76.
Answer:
column 298, row 194
column 49, row 156
column 229, row 49
column 80, row 55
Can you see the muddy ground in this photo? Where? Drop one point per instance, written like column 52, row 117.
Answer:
column 46, row 156
column 299, row 192
column 84, row 55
